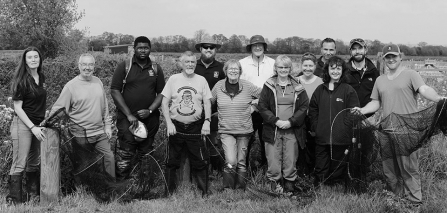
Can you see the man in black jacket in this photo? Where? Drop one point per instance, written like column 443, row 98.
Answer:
column 361, row 76
column 362, row 71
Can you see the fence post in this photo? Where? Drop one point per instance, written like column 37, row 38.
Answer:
column 50, row 172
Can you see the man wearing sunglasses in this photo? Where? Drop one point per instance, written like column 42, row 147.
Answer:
column 212, row 70
column 257, row 68
column 328, row 49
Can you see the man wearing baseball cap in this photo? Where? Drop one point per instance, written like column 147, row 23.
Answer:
column 212, row 70
column 362, row 72
column 395, row 92
column 257, row 68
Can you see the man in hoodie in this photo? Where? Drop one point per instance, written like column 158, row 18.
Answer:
column 257, row 68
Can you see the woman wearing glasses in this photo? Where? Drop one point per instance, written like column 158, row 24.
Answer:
column 283, row 105
column 29, row 96
column 310, row 82
column 234, row 97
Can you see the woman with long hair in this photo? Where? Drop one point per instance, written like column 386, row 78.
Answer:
column 283, row 105
column 29, row 97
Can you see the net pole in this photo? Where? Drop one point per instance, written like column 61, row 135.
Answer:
column 50, row 172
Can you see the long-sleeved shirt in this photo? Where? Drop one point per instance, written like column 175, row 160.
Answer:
column 86, row 104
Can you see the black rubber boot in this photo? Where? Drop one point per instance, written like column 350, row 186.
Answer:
column 241, row 180
column 15, row 190
column 171, row 179
column 289, row 186
column 32, row 186
column 201, row 177
column 228, row 180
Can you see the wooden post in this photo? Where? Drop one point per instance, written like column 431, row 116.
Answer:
column 50, row 172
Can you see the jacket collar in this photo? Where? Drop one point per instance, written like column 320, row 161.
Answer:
column 271, row 82
column 368, row 64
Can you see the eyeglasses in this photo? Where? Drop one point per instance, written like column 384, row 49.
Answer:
column 211, row 47
column 282, row 67
column 87, row 65
column 233, row 69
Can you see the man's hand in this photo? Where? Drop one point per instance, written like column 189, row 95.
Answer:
column 171, row 128
column 206, row 128
column 357, row 111
column 143, row 113
column 108, row 131
column 133, row 121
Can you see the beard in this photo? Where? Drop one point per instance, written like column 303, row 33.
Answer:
column 207, row 60
column 359, row 60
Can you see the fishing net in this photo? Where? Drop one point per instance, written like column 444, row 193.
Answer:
column 83, row 164
column 370, row 143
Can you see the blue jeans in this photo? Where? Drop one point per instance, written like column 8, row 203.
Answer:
column 235, row 149
column 25, row 148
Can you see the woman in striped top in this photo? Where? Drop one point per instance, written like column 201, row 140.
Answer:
column 234, row 97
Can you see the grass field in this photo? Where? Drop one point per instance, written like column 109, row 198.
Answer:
column 433, row 169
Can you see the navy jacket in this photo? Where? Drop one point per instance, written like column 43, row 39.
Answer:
column 325, row 106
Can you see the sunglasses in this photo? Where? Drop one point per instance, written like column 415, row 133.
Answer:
column 211, row 47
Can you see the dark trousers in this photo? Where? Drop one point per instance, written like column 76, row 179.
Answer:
column 191, row 143
column 257, row 126
column 128, row 148
column 306, row 158
column 331, row 168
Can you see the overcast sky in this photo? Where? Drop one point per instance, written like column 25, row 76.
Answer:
column 396, row 21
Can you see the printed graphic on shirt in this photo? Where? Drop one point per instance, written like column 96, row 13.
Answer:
column 216, row 74
column 339, row 100
column 186, row 105
column 151, row 72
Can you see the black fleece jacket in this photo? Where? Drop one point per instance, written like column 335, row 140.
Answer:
column 325, row 106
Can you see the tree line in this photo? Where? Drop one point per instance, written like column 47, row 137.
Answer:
column 49, row 26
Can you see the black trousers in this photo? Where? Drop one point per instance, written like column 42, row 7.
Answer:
column 257, row 126
column 330, row 165
column 192, row 143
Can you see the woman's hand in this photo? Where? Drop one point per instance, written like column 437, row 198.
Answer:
column 38, row 132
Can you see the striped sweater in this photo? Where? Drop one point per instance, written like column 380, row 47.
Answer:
column 234, row 112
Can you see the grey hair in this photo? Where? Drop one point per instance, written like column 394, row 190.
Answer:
column 187, row 54
column 231, row 62
column 86, row 55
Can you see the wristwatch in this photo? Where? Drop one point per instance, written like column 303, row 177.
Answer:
column 208, row 119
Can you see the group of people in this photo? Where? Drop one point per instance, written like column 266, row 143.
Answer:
column 213, row 104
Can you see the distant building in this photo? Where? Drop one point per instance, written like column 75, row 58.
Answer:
column 119, row 49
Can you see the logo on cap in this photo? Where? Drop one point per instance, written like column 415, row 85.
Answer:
column 389, row 48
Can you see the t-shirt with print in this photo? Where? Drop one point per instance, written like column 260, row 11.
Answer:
column 398, row 95
column 186, row 95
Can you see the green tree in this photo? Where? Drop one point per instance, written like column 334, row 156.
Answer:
column 44, row 24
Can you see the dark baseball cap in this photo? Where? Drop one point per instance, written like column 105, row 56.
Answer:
column 390, row 49
column 359, row 41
